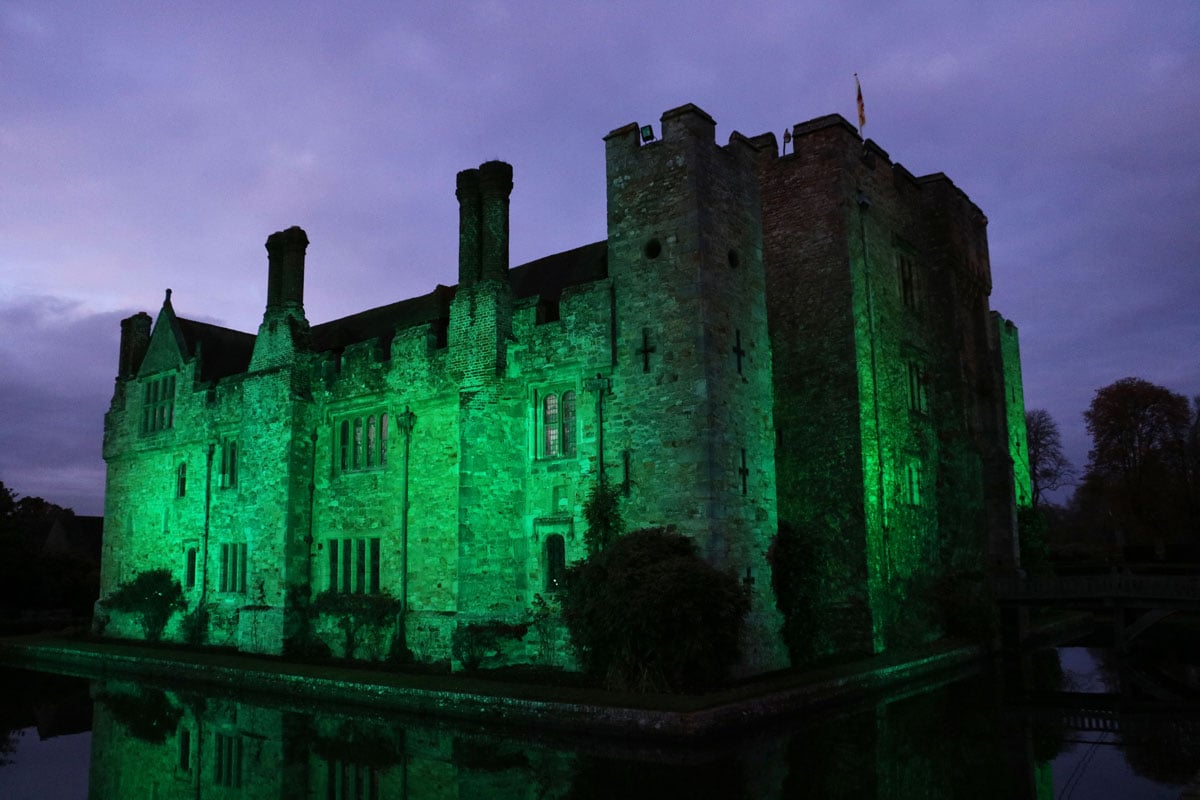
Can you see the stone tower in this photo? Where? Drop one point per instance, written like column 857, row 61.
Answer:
column 691, row 388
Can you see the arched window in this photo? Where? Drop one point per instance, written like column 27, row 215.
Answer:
column 556, row 563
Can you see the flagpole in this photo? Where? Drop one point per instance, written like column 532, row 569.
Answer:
column 862, row 112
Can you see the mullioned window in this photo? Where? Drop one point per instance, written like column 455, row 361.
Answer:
column 158, row 404
column 360, row 442
column 556, row 417
column 354, row 565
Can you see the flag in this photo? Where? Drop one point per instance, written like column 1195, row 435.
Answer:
column 862, row 112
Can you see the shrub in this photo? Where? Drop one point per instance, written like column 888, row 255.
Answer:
column 148, row 714
column 154, row 596
column 471, row 643
column 355, row 612
column 195, row 626
column 823, row 603
column 648, row 614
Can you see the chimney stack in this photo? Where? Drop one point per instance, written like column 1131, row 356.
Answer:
column 135, row 340
column 285, row 271
column 495, row 186
column 469, row 233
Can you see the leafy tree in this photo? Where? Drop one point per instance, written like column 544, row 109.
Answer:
column 154, row 595
column 1049, row 469
column 1140, row 458
column 29, row 578
column 602, row 510
column 646, row 613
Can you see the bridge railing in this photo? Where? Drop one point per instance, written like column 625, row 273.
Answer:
column 1099, row 587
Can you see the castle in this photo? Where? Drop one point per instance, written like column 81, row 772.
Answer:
column 763, row 339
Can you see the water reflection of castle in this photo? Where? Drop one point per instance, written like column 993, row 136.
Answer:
column 151, row 743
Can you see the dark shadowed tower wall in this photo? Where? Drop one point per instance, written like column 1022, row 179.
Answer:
column 691, row 395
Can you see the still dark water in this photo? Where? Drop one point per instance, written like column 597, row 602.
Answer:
column 1068, row 723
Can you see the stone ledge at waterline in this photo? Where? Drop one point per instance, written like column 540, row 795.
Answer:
column 458, row 697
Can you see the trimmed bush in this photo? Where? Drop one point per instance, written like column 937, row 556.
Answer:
column 154, row 595
column 355, row 612
column 646, row 613
column 474, row 642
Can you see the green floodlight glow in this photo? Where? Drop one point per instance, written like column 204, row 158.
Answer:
column 647, row 132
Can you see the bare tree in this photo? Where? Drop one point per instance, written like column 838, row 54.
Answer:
column 1049, row 469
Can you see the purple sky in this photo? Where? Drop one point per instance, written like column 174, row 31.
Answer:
column 147, row 145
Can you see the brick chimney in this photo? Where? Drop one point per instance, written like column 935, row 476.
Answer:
column 495, row 186
column 469, row 234
column 135, row 340
column 285, row 271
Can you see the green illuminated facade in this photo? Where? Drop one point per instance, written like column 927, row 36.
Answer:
column 803, row 338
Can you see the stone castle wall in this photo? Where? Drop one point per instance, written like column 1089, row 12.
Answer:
column 801, row 338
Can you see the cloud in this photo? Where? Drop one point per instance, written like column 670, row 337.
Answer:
column 58, row 365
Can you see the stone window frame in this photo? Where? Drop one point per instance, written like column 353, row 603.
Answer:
column 914, row 483
column 191, row 564
column 227, row 477
column 181, row 480
column 556, row 422
column 228, row 760
column 233, row 568
column 185, row 750
column 340, row 773
column 158, row 404
column 360, row 440
column 907, row 278
column 353, row 564
column 918, row 394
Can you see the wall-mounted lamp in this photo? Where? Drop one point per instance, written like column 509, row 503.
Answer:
column 647, row 133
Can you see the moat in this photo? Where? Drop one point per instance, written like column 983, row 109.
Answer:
column 1073, row 722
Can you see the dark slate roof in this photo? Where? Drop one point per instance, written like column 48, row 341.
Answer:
column 546, row 277
column 223, row 351
column 382, row 322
